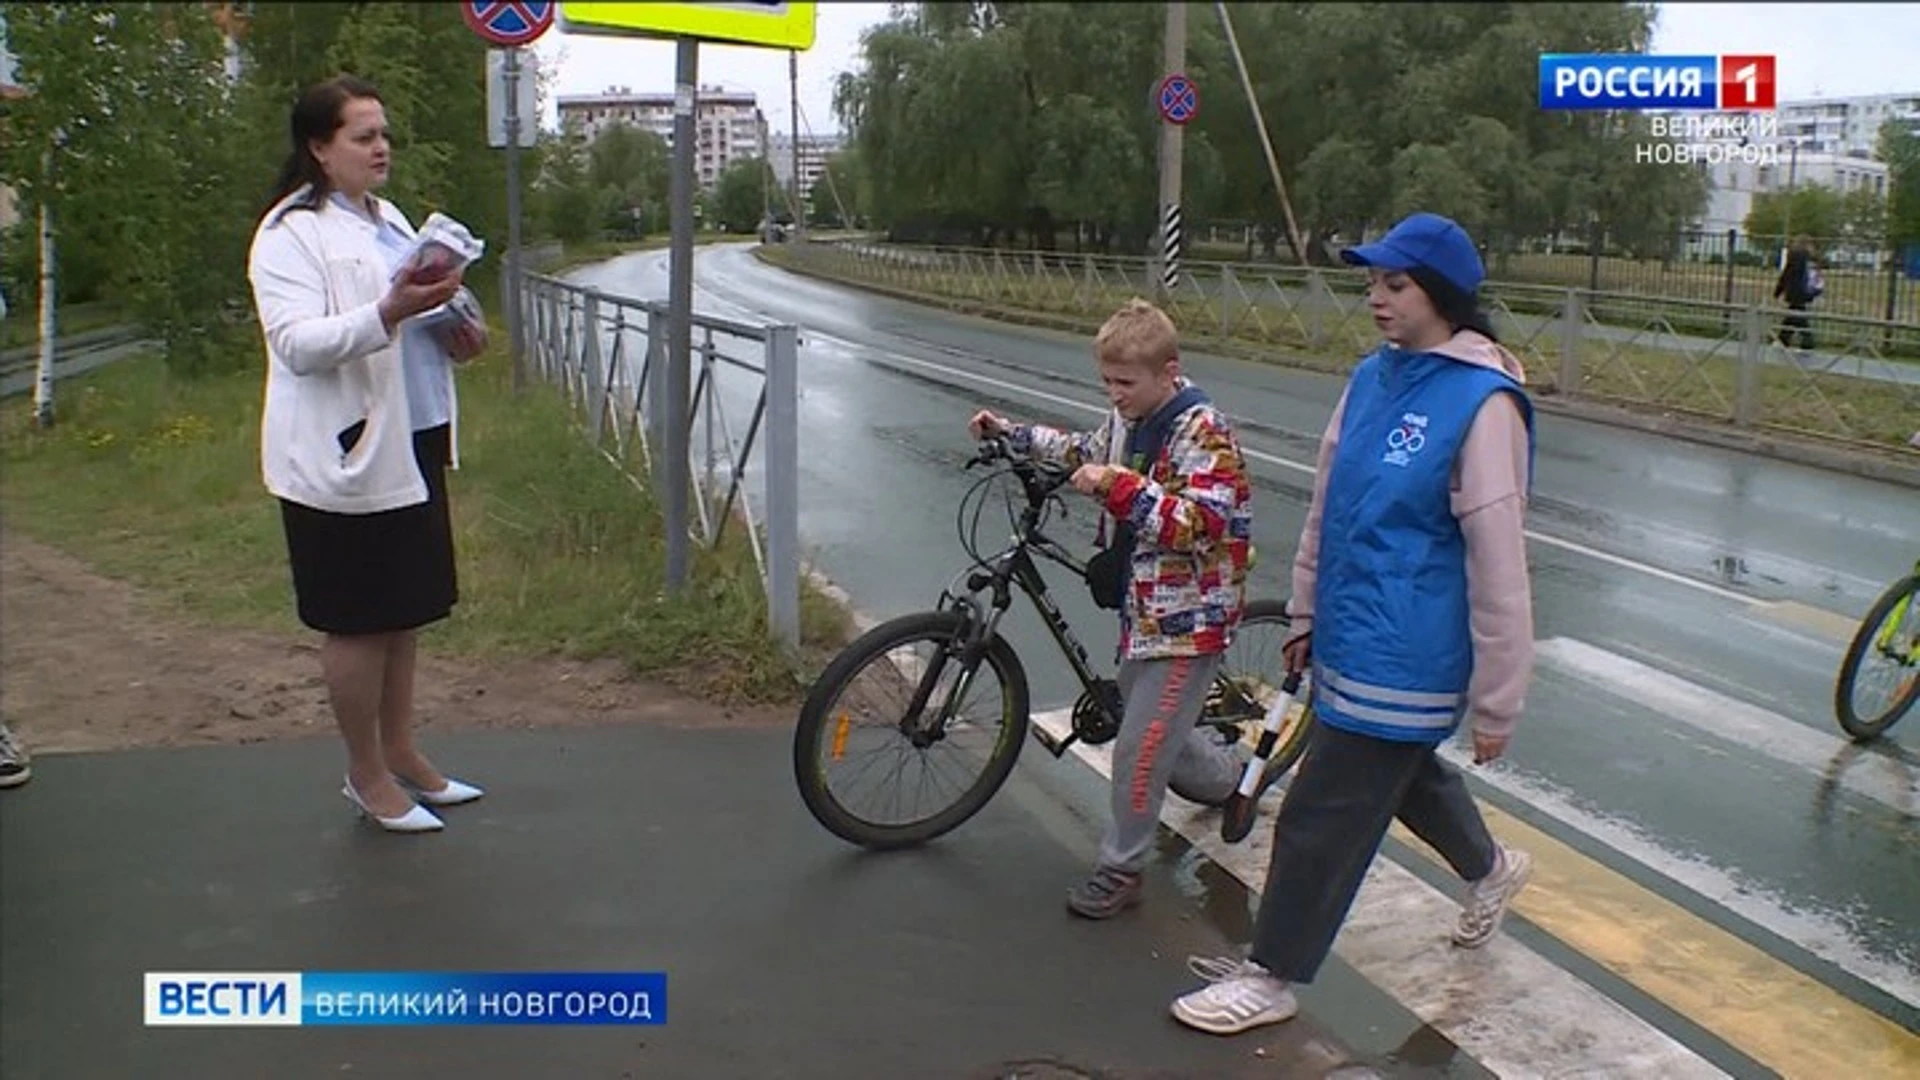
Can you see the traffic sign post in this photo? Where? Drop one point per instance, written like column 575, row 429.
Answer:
column 784, row 26
column 1177, row 101
column 509, row 25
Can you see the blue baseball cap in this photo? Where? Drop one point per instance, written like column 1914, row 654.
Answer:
column 1425, row 240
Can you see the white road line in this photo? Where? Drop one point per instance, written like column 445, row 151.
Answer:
column 1514, row 1011
column 1882, row 779
column 1287, row 463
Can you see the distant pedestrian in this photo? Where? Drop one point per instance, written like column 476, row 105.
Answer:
column 357, row 435
column 1800, row 283
column 1412, row 605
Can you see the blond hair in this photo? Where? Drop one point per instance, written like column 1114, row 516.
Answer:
column 1139, row 334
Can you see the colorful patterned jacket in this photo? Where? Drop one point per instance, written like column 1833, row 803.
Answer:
column 1193, row 517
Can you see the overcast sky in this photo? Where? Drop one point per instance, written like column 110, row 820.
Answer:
column 1828, row 50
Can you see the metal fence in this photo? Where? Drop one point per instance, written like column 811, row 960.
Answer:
column 1856, row 380
column 608, row 354
column 1863, row 277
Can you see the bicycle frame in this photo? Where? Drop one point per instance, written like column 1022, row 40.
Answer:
column 1011, row 567
column 1884, row 642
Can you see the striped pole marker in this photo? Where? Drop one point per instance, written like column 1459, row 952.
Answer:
column 1170, row 246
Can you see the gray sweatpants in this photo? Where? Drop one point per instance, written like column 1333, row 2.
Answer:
column 1159, row 744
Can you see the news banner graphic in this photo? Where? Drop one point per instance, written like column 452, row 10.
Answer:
column 1704, row 109
column 402, row 998
column 1633, row 81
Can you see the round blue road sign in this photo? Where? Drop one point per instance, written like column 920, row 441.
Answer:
column 508, row 23
column 1178, row 98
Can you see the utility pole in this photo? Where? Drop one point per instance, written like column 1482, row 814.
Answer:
column 767, row 177
column 1171, row 147
column 793, row 104
column 511, row 301
column 679, row 425
column 1260, row 125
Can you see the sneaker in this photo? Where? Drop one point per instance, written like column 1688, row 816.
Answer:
column 1239, row 996
column 1488, row 898
column 16, row 766
column 1105, row 894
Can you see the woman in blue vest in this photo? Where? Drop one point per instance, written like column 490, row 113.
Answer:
column 1412, row 606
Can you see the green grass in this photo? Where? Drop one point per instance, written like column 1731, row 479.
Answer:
column 1627, row 373
column 155, row 481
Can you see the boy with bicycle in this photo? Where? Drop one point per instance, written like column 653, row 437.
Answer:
column 1168, row 471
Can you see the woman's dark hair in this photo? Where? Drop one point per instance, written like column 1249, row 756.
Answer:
column 316, row 116
column 1461, row 309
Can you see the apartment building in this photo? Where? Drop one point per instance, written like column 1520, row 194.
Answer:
column 1824, row 142
column 814, row 152
column 1848, row 126
column 728, row 125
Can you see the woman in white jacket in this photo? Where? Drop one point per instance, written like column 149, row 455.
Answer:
column 356, row 436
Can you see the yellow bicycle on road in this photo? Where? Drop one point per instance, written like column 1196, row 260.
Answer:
column 1884, row 657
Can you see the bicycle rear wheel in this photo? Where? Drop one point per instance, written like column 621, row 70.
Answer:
column 860, row 746
column 1248, row 681
column 1884, row 659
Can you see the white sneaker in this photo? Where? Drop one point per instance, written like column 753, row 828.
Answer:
column 1239, row 998
column 1488, row 898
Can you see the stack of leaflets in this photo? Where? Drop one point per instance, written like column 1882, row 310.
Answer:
column 444, row 246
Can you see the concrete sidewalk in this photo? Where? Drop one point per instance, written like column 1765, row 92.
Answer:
column 683, row 850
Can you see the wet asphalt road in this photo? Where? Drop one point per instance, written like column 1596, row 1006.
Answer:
column 1692, row 605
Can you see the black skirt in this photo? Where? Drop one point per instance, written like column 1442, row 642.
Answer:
column 381, row 572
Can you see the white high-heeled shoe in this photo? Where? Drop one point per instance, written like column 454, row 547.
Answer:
column 453, row 794
column 417, row 818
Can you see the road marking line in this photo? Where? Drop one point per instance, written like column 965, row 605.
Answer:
column 1763, row 1007
column 1300, row 467
column 1827, row 625
column 1791, row 743
column 1515, row 1012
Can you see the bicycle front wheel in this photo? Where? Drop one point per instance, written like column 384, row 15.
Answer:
column 876, row 771
column 1880, row 677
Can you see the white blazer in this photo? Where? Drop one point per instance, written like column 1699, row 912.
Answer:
column 318, row 277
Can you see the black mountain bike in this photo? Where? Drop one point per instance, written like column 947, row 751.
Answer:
column 937, row 701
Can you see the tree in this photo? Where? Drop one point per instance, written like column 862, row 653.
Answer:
column 1816, row 210
column 1899, row 147
column 1346, row 91
column 106, row 81
column 632, row 168
column 738, row 193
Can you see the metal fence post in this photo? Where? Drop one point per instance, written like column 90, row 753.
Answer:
column 1572, row 314
column 1746, row 378
column 595, row 373
column 782, row 471
column 654, row 395
column 1228, row 285
column 1319, row 300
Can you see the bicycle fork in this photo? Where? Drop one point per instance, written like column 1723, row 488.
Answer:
column 923, row 732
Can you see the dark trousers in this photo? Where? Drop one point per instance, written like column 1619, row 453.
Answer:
column 1347, row 791
column 1796, row 331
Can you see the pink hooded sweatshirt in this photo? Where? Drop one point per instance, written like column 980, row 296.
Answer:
column 1489, row 496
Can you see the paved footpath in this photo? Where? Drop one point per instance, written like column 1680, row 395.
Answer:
column 682, row 850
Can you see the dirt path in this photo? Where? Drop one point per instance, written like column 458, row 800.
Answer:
column 87, row 663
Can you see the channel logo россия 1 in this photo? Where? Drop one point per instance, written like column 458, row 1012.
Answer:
column 1636, row 81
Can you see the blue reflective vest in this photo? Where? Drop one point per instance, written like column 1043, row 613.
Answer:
column 1393, row 646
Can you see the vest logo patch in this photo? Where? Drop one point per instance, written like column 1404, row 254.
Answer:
column 1406, row 440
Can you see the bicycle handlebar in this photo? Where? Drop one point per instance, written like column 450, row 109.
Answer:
column 1041, row 479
